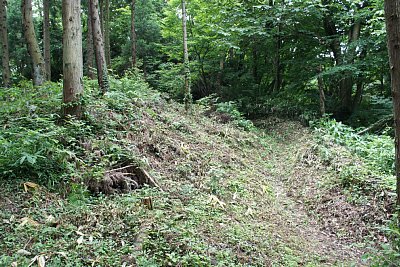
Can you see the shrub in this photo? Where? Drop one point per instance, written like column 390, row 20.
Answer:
column 232, row 110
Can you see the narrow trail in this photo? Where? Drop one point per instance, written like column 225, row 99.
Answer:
column 298, row 221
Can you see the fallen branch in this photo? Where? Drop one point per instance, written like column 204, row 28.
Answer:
column 144, row 175
column 120, row 169
column 377, row 126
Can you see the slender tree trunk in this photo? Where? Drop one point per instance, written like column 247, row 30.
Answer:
column 101, row 15
column 133, row 34
column 278, row 64
column 255, row 61
column 106, row 31
column 39, row 72
column 72, row 57
column 321, row 93
column 89, row 48
column 392, row 15
column 145, row 67
column 188, row 95
column 4, row 44
column 46, row 38
column 98, row 44
column 359, row 94
column 221, row 70
column 278, row 68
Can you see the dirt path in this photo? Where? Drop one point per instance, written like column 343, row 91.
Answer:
column 295, row 183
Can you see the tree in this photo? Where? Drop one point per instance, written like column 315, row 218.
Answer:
column 89, row 48
column 39, row 73
column 392, row 15
column 98, row 44
column 46, row 38
column 4, row 43
column 133, row 34
column 188, row 95
column 106, row 31
column 72, row 57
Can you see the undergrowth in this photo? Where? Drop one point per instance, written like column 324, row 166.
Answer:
column 365, row 166
column 49, row 215
column 214, row 208
column 372, row 155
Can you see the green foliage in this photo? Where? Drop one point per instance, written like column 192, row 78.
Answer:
column 372, row 109
column 170, row 79
column 32, row 145
column 36, row 144
column 231, row 109
column 33, row 153
column 375, row 152
column 389, row 254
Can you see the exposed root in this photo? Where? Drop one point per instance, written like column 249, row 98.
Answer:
column 122, row 180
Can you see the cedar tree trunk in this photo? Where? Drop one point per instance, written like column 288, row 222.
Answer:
column 39, row 73
column 46, row 38
column 89, row 48
column 98, row 44
column 4, row 44
column 133, row 34
column 392, row 15
column 72, row 57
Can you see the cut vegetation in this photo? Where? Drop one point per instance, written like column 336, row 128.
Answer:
column 137, row 182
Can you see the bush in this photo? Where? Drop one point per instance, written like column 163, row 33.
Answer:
column 389, row 255
column 231, row 109
column 377, row 151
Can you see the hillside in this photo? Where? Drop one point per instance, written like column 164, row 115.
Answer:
column 138, row 182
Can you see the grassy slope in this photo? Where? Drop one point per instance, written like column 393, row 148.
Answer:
column 227, row 197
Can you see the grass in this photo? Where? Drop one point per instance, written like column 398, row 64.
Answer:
column 224, row 198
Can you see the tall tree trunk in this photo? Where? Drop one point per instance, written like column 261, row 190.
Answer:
column 39, row 72
column 278, row 64
column 321, row 93
column 278, row 67
column 89, row 48
column 392, row 15
column 133, row 34
column 106, row 30
column 220, row 71
column 255, row 61
column 98, row 44
column 188, row 95
column 346, row 84
column 72, row 57
column 145, row 67
column 46, row 38
column 4, row 44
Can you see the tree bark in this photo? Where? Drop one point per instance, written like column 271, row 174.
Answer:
column 278, row 64
column 89, row 48
column 98, row 44
column 72, row 57
column 278, row 67
column 346, row 84
column 4, row 44
column 106, row 30
column 392, row 15
column 46, row 38
column 345, row 89
column 188, row 95
column 39, row 72
column 133, row 34
column 321, row 93
column 220, row 71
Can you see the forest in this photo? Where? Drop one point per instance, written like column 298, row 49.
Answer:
column 200, row 133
